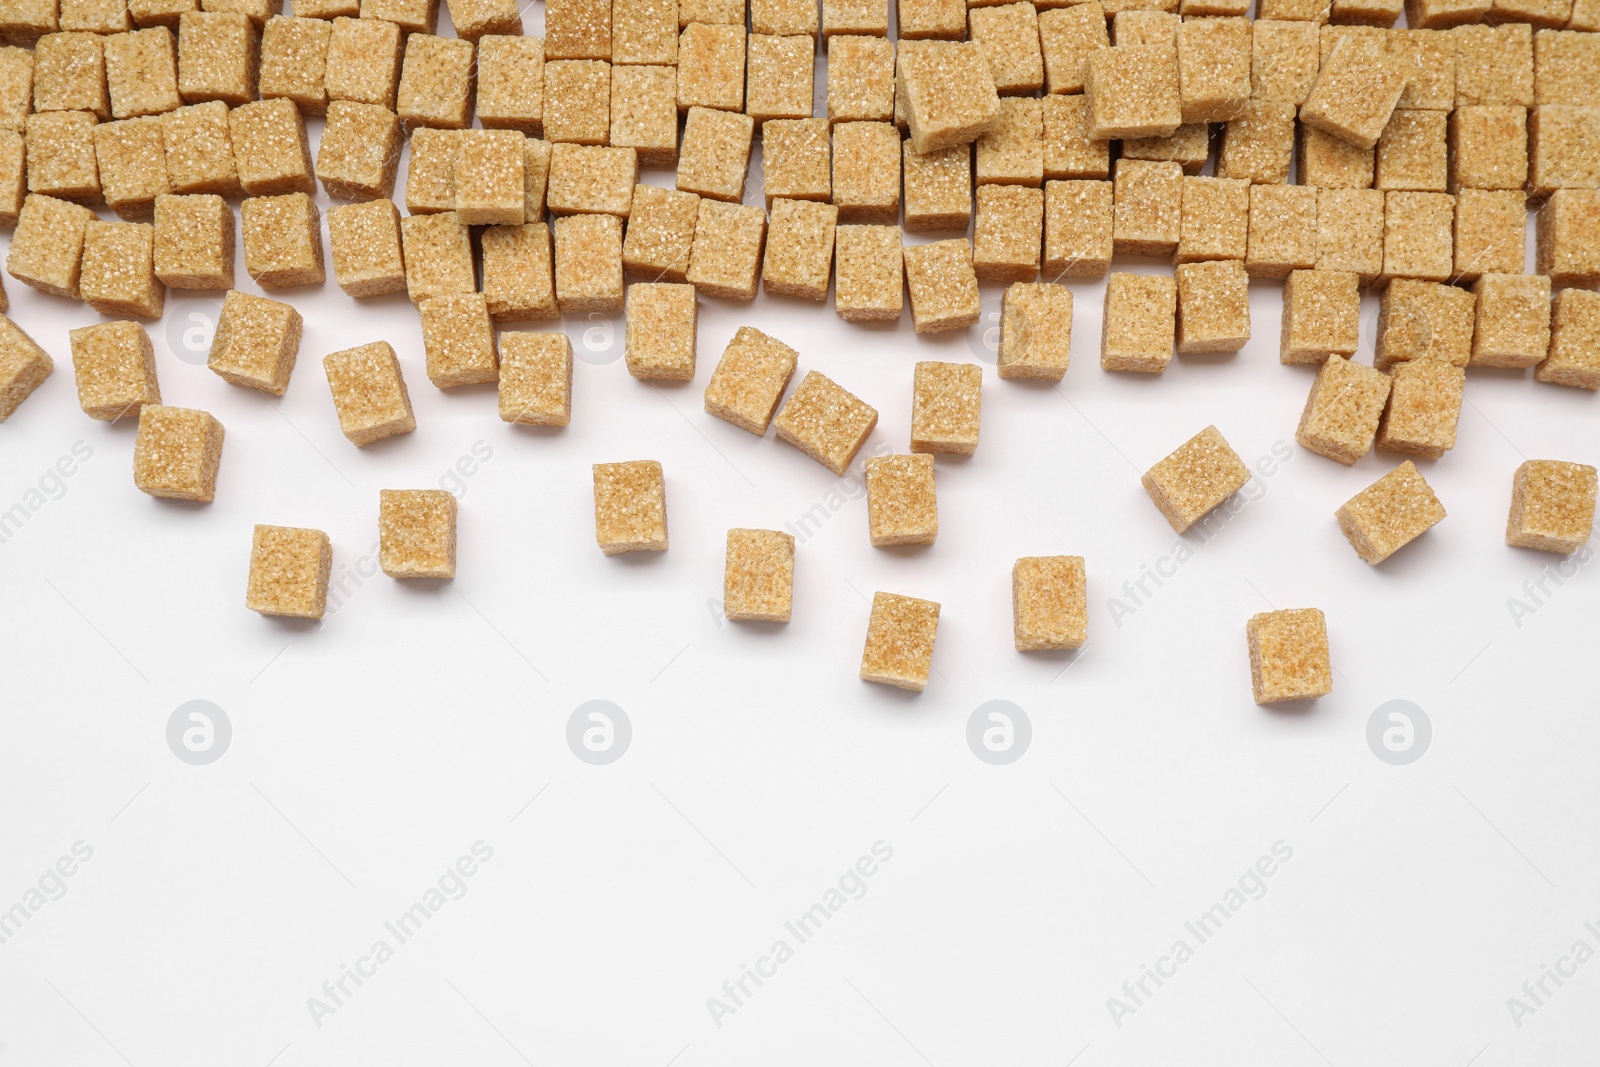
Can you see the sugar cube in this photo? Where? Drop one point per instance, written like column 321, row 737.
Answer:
column 1390, row 513
column 869, row 273
column 518, row 273
column 1341, row 415
column 900, row 636
column 364, row 241
column 200, row 150
column 417, row 533
column 943, row 285
column 1147, row 208
column 141, row 72
column 536, row 378
column 1011, row 152
column 1257, row 146
column 1289, row 655
column 255, row 342
column 176, row 453
column 643, row 32
column 1006, row 236
column 1133, row 91
column 115, row 368
column 1321, row 316
column 269, row 146
column 118, row 272
column 711, row 66
column 1067, row 35
column 725, row 259
column 950, row 96
column 1574, row 358
column 1356, row 90
column 438, row 256
column 511, row 81
column 1424, row 405
column 938, row 188
column 630, row 507
column 1568, row 237
column 218, row 57
column 194, row 241
column 458, row 340
column 1035, row 331
column 289, row 572
column 1077, row 229
column 945, row 404
column 644, row 113
column 132, row 161
column 860, row 79
column 294, row 61
column 1138, row 328
column 1488, row 147
column 750, row 379
column 1417, row 240
column 364, row 58
column 577, row 100
column 282, row 240
column 578, row 29
column 1283, row 229
column 1552, row 506
column 61, row 156
column 716, row 153
column 23, row 367
column 796, row 160
column 825, row 422
column 660, row 233
column 360, row 152
column 1200, row 475
column 902, row 506
column 799, row 256
column 758, row 582
column 1213, row 306
column 47, row 246
column 588, row 263
column 369, row 393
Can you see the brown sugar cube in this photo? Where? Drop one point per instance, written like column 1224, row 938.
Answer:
column 369, row 393
column 577, row 101
column 69, row 74
column 412, row 16
column 417, row 533
column 1316, row 11
column 1213, row 307
column 25, row 20
column 826, row 422
column 200, row 150
column 1494, row 64
column 758, row 582
column 511, row 83
column 1411, row 152
column 1424, row 320
column 269, row 147
column 1389, row 514
column 660, row 233
column 1513, row 320
column 711, row 67
column 13, row 177
column 431, row 171
column 141, row 72
column 1012, row 151
column 132, row 162
column 176, row 453
column 1189, row 147
column 294, row 61
column 725, row 259
column 47, row 245
column 1568, row 237
column 867, row 17
column 474, row 19
column 1552, row 506
column 1424, row 405
column 588, row 263
column 1133, row 91
column 95, row 16
column 1442, row 14
column 943, row 285
column 1329, row 163
column 536, row 378
column 900, row 635
column 16, row 87
column 949, row 94
column 1147, row 208
column 945, row 403
column 930, row 19
column 436, row 83
column 1566, row 68
column 661, row 331
column 1077, row 229
column 1283, row 229
column 749, row 380
column 458, row 340
column 217, row 57
column 1417, row 239
column 866, row 172
column 1289, row 655
column 1350, row 231
column 630, row 507
column 360, row 152
column 902, row 505
column 586, row 179
column 1218, row 8
column 1215, row 219
column 1341, row 415
column 715, row 154
column 1563, row 148
column 1069, row 151
column 1488, row 147
column 194, row 241
column 118, row 275
column 869, row 274
column 1585, row 16
column 1066, row 37
column 491, row 178
column 364, row 241
column 61, row 157
column 1009, row 35
column 23, row 367
column 1490, row 232
column 1257, row 146
column 938, row 188
column 1049, row 603
column 781, row 71
column 1285, row 57
column 1138, row 325
column 1380, row 13
column 644, row 113
column 364, row 57
column 1035, row 331
column 1132, row 26
column 643, row 33
column 799, row 256
column 255, row 342
column 796, row 160
column 578, row 29
column 1213, row 68
column 116, row 369
column 289, row 572
column 1321, row 316
column 438, row 256
column 860, row 79
column 1429, row 59
column 1202, row 474
column 1356, row 91
column 1006, row 236
column 259, row 11
column 1574, row 358
column 282, row 240
column 518, row 273
column 716, row 12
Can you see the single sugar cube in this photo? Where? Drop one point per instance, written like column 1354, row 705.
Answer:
column 716, row 154
column 491, row 178
column 1424, row 406
column 217, row 57
column 1203, row 473
column 869, row 273
column 1429, row 60
column 1258, row 145
column 519, row 273
column 1067, row 35
column 436, row 82
column 364, row 240
column 588, row 263
column 866, row 172
column 644, row 113
column 360, row 152
column 900, row 635
column 1213, row 306
column 1513, row 320
column 115, row 367
column 69, row 74
column 95, row 16
column 511, row 81
column 1006, row 237
column 799, row 256
column 1214, row 220
column 1568, row 237
column 1077, row 229
column 1289, row 655
column 61, row 156
column 945, row 404
column 949, row 94
column 938, row 188
column 577, row 100
column 294, row 61
column 1574, row 358
column 1417, row 241
column 431, row 171
column 1035, row 331
column 535, row 378
column 796, row 160
column 289, row 572
column 943, row 286
column 1330, row 163
column 1424, row 320
column 725, row 260
column 1488, row 147
column 1356, row 90
column 1321, row 316
column 750, row 379
column 1552, row 506
column 855, row 16
column 1561, row 148
column 1490, row 232
column 642, row 32
column 473, row 19
column 578, row 29
column 758, row 582
column 417, row 533
column 660, row 340
column 1135, row 26
column 282, row 240
column 1350, row 231
column 23, row 366
column 1389, row 514
column 438, row 255
column 118, row 272
column 194, row 241
column 1147, row 208
column 412, row 16
column 200, row 150
column 1285, row 57
column 1494, row 64
column 364, row 58
column 902, row 504
column 780, row 74
column 630, row 507
column 1213, row 68
column 1566, row 67
column 1133, row 91
column 1283, row 230
column 133, row 165
column 930, row 19
column 458, row 340
column 269, row 146
column 176, row 453
column 1049, row 603
column 369, row 393
column 141, row 72
column 826, row 422
column 1011, row 152
column 1009, row 35
column 711, row 66
column 255, row 342
column 860, row 79
column 1411, row 152
column 47, row 246
column 1138, row 329
column 660, row 233
column 1340, row 419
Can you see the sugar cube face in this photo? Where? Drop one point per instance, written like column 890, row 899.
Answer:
column 949, row 93
column 255, row 342
column 1213, row 307
column 289, row 572
column 943, row 285
column 1329, row 163
column 364, row 59
column 1424, row 320
column 1011, row 152
column 519, row 273
column 1283, row 230
column 577, row 101
column 473, row 19
column 1513, row 320
column 176, row 453
column 193, row 241
column 364, row 241
column 282, row 240
column 780, row 76
column 511, row 83
column 945, row 404
column 13, row 176
column 1340, row 420
column 642, row 32
column 1568, row 237
column 1136, row 26
column 1213, row 68
column 630, row 507
column 458, row 340
column 69, row 74
column 860, row 79
column 902, row 505
column 661, row 319
column 412, row 16
column 1390, row 513
column 1147, row 208
column 1009, row 35
column 1133, row 91
column 436, row 82
column 1258, row 145
column 583, row 178
column 1490, row 232
column 369, row 393
column 644, row 113
column 360, row 152
column 1285, row 57
column 796, row 160
column 1006, row 236
column 711, row 66
column 1035, row 331
column 725, row 259
column 1566, row 68
column 715, row 154
column 141, row 72
column 758, row 582
column 115, row 368
column 133, row 165
column 938, row 188
column 855, row 16
column 1138, row 332
column 23, row 366
column 200, row 150
column 95, row 16
column 1552, row 506
column 217, row 57
column 294, row 61
column 1411, row 152
column 1356, row 91
column 866, row 172
column 826, row 422
column 1067, row 35
column 660, row 236
column 61, row 156
column 1200, row 475
column 931, row 20
column 47, row 246
column 900, row 636
column 799, row 256
column 578, row 29
column 1350, row 231
column 588, row 263
column 869, row 273
column 417, row 533
column 118, row 276
column 1189, row 146
column 1574, row 358
column 438, row 255
column 1289, row 655
column 750, row 379
column 431, row 171
column 1077, row 229
column 1561, row 152
column 1049, row 603
column 1321, row 316
column 1424, row 406
column 1488, row 147
column 536, row 378
column 1214, row 219
column 1494, row 64
column 269, row 147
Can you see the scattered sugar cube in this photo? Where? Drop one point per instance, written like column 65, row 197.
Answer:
column 412, row 16
column 1411, row 152
column 431, row 171
column 369, row 393
column 855, row 16
column 289, row 572
column 1035, row 331
column 1257, row 145
column 1552, row 506
column 1067, row 35
column 458, row 340
column 1574, row 358
column 118, row 275
column 1568, row 237
column 1289, row 655
column 1356, row 91
column 660, row 233
column 578, row 29
column 950, row 97
column 1417, row 240
column 23, row 367
column 1006, row 236
column 1138, row 325
column 1203, row 473
column 364, row 58
column 1513, row 320
column 1424, row 406
column 436, row 83
column 1350, row 231
column 511, row 81
column 364, row 241
column 588, row 263
column 860, row 79
column 1321, row 316
column 902, row 505
column 644, row 113
column 141, row 72
column 930, row 19
column 417, row 533
column 1494, row 64
column 519, row 273
column 943, row 285
column 282, row 240
column 1077, row 229
column 115, row 368
column 1285, row 57
column 780, row 76
column 716, row 154
column 218, row 53
column 1069, row 151
column 132, row 161
column 294, row 61
column 1147, row 208
column 866, row 172
column 255, row 342
column 1283, row 229
column 1009, row 34
column 536, row 378
column 826, row 422
column 1490, row 232
column 1213, row 68
column 176, row 453
column 69, row 74
column 900, row 635
column 587, row 178
column 725, row 260
column 1341, row 415
column 750, row 379
column 661, row 320
column 938, row 188
column 796, row 160
column 438, row 255
column 1133, row 91
column 47, row 246
column 360, row 152
column 200, row 150
column 1424, row 320
column 269, row 146
column 1049, row 603
column 1214, row 220
column 1011, row 152
column 1561, row 148
column 1213, row 306
column 194, row 244
column 630, row 507
column 643, row 32
column 1329, row 163
column 711, row 66
column 799, row 256
column 758, row 582
column 945, row 403
column 1389, row 514
column 577, row 100
column 61, row 157
column 1488, row 147
column 869, row 273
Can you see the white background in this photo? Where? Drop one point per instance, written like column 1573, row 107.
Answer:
column 371, row 751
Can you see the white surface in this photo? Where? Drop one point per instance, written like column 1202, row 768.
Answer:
column 370, row 752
